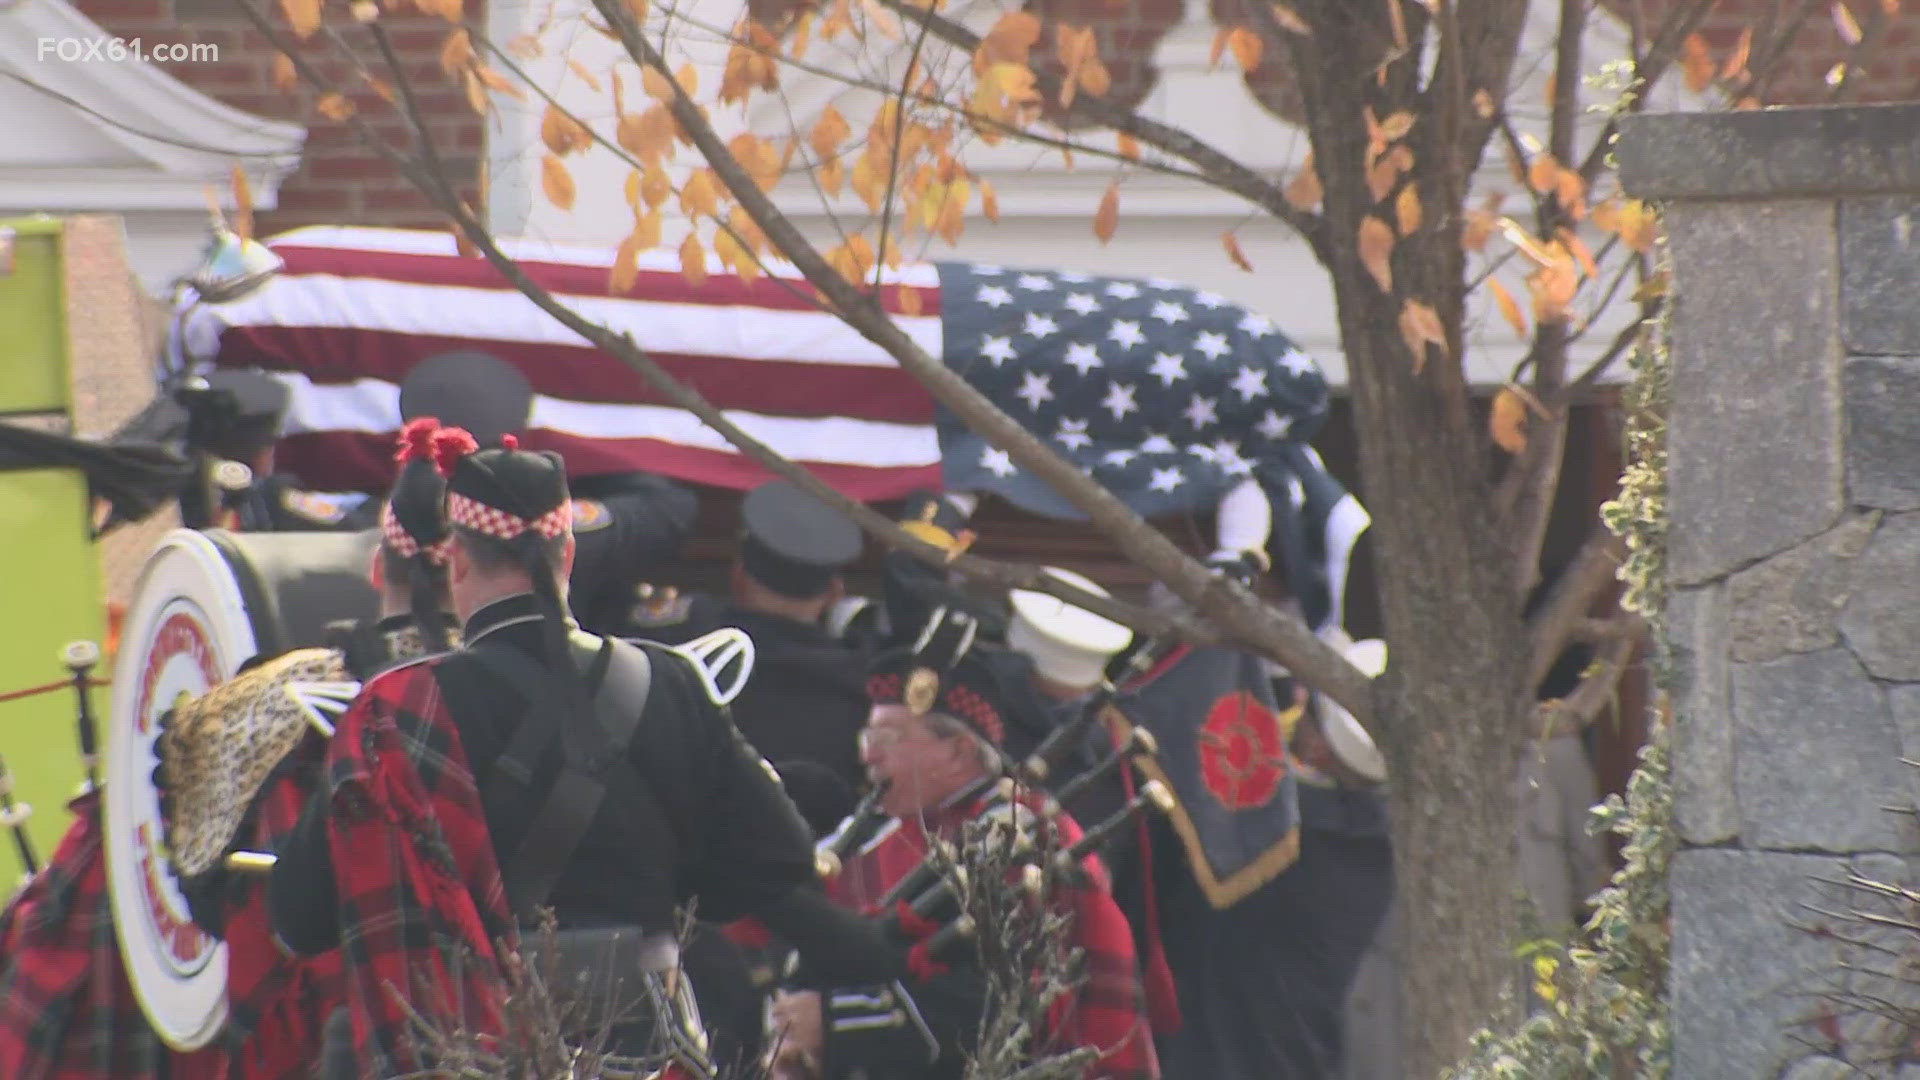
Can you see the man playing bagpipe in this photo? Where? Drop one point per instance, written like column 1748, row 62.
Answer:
column 935, row 744
column 538, row 767
column 66, row 1008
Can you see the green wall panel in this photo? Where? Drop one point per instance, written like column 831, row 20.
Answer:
column 33, row 333
column 50, row 595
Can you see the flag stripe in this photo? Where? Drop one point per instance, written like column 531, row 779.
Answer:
column 365, row 460
column 333, row 355
column 502, row 315
column 660, row 278
column 373, row 406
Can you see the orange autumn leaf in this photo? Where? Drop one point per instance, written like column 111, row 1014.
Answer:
column 1479, row 228
column 655, row 84
column 626, row 264
column 334, row 105
column 693, row 261
column 456, row 52
column 557, row 182
column 907, row 299
column 1219, row 47
column 1844, row 22
column 285, row 77
column 1696, row 60
column 1009, row 42
column 655, row 185
column 1376, row 251
column 1543, row 173
column 382, row 89
column 1246, row 48
column 1129, row 147
column 303, row 16
column 562, row 133
column 588, row 77
column 1508, row 421
column 1107, row 218
column 1483, row 105
column 829, row 132
column 1303, row 192
column 1290, row 19
column 1578, row 249
column 700, row 195
column 242, row 204
column 1638, row 225
column 646, row 230
column 1509, row 307
column 1407, row 210
column 1232, row 243
column 1735, row 69
column 989, row 201
column 1420, row 326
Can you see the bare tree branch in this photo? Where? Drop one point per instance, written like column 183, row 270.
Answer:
column 1601, row 680
column 1216, row 167
column 985, row 571
column 1212, row 596
column 1567, row 602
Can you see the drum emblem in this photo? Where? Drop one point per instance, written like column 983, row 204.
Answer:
column 182, row 660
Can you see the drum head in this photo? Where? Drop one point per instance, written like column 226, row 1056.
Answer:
column 205, row 604
column 186, row 631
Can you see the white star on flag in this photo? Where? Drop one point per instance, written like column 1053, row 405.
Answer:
column 1124, row 290
column 1119, row 400
column 1251, row 382
column 997, row 349
column 1201, row 412
column 1120, row 457
column 994, row 296
column 1082, row 356
column 1256, row 325
column 1275, row 426
column 1034, row 283
column 1126, row 333
column 997, row 461
column 1164, row 285
column 1169, row 312
column 1034, row 388
column 1074, row 279
column 1204, row 453
column 1226, row 453
column 1214, row 345
column 1038, row 325
column 1073, row 434
column 1156, row 444
column 1209, row 299
column 1168, row 367
column 1083, row 303
column 1297, row 362
column 1165, row 480
column 985, row 270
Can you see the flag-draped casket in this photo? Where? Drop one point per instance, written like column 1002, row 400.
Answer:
column 1166, row 395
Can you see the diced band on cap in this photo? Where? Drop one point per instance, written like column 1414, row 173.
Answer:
column 402, row 543
column 476, row 516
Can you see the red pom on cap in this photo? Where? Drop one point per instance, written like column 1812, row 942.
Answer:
column 449, row 446
column 416, row 440
column 509, row 442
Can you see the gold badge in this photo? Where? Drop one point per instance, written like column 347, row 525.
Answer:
column 590, row 515
column 923, row 685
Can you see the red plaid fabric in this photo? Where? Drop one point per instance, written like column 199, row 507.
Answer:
column 422, row 904
column 396, row 536
column 1108, row 1011
column 492, row 521
column 67, row 1011
column 277, row 1005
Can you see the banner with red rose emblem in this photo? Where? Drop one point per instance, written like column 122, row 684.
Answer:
column 1223, row 753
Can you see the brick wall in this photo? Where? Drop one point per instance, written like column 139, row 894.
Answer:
column 339, row 181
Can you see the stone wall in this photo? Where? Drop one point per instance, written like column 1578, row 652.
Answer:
column 1794, row 564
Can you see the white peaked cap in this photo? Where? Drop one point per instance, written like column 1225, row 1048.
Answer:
column 1069, row 645
column 1348, row 740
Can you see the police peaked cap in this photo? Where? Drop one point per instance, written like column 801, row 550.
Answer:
column 482, row 393
column 792, row 542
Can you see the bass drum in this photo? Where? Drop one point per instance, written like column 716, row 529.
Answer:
column 206, row 602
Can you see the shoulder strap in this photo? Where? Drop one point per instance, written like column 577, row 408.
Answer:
column 569, row 807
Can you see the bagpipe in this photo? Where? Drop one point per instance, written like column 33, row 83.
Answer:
column 226, row 632
column 923, row 910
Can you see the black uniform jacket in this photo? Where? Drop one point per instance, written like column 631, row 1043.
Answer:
column 699, row 816
column 1263, row 984
column 625, row 528
column 806, row 700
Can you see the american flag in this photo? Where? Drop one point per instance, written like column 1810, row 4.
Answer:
column 1166, row 395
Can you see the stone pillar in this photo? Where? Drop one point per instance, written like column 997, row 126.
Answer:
column 1793, row 559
